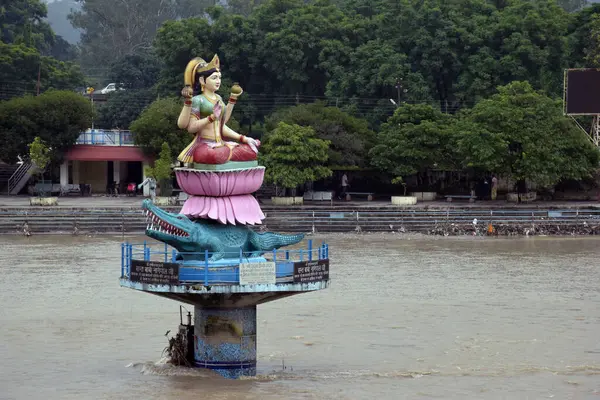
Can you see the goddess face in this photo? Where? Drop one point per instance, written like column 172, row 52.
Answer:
column 213, row 82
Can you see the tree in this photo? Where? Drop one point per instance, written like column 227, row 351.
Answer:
column 19, row 68
column 162, row 171
column 572, row 5
column 415, row 139
column 112, row 30
column 292, row 30
column 350, row 138
column 293, row 155
column 297, row 36
column 136, row 71
column 158, row 124
column 39, row 154
column 177, row 42
column 593, row 52
column 580, row 36
column 57, row 117
column 531, row 44
column 243, row 7
column 373, row 70
column 359, row 54
column 22, row 22
column 448, row 42
column 63, row 50
column 122, row 108
column 522, row 134
column 26, row 49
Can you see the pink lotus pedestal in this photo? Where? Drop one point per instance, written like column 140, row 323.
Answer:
column 222, row 195
column 242, row 209
column 220, row 183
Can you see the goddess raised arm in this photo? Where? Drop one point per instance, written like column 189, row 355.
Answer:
column 205, row 116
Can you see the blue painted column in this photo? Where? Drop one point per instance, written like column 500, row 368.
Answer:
column 225, row 340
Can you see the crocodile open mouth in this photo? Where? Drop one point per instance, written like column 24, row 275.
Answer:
column 158, row 225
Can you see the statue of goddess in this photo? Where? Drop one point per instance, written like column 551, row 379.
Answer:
column 206, row 116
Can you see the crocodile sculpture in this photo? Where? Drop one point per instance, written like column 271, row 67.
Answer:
column 193, row 238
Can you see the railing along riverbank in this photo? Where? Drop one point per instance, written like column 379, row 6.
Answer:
column 439, row 221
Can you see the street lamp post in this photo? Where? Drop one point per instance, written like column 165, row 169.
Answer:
column 90, row 91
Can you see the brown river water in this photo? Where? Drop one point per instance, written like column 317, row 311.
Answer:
column 406, row 317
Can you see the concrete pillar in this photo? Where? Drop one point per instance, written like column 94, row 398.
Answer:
column 64, row 173
column 75, row 172
column 225, row 340
column 145, row 187
column 117, row 171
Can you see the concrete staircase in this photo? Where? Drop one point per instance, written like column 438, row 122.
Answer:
column 76, row 221
column 293, row 219
column 20, row 177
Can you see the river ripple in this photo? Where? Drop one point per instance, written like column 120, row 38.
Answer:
column 405, row 317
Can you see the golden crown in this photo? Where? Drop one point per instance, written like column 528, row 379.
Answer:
column 197, row 65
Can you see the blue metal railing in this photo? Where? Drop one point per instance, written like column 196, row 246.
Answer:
column 100, row 137
column 202, row 271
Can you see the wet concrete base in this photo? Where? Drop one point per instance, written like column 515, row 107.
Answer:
column 225, row 340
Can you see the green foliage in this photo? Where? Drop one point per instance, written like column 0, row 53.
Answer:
column 243, row 7
column 158, row 124
column 57, row 117
column 400, row 181
column 572, row 5
column 39, row 154
column 522, row 133
column 355, row 52
column 136, row 71
column 372, row 70
column 162, row 167
column 580, row 35
column 112, row 30
column 416, row 138
column 63, row 50
column 534, row 45
column 593, row 52
column 19, row 67
column 294, row 155
column 517, row 133
column 350, row 137
column 22, row 22
column 122, row 108
column 162, row 171
column 177, row 42
column 27, row 40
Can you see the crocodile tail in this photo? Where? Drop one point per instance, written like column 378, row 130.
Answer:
column 268, row 240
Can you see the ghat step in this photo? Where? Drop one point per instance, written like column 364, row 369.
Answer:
column 131, row 220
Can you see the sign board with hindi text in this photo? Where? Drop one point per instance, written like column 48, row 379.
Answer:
column 154, row 272
column 261, row 273
column 311, row 271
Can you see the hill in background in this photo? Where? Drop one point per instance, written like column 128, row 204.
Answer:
column 58, row 12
